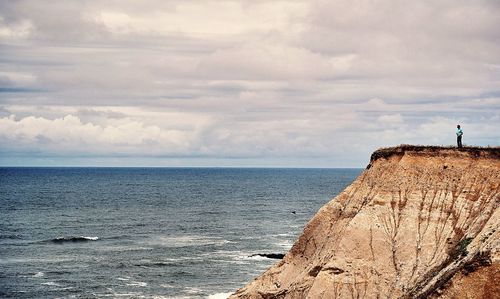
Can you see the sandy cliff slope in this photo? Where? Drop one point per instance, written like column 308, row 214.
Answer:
column 419, row 222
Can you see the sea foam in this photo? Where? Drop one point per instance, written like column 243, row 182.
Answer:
column 219, row 296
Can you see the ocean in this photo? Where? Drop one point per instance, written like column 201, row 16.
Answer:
column 151, row 232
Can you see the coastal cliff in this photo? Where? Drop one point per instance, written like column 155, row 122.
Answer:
column 419, row 222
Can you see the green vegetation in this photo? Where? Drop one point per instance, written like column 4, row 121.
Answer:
column 462, row 246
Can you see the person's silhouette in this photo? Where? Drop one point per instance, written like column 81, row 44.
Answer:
column 459, row 136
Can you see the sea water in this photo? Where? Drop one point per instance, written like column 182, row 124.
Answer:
column 151, row 232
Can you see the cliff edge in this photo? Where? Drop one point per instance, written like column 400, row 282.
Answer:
column 419, row 222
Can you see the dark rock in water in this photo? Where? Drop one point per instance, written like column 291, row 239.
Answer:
column 278, row 256
column 73, row 239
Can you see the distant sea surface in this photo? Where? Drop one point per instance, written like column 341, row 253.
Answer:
column 151, row 232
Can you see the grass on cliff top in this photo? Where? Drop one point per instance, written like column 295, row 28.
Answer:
column 475, row 151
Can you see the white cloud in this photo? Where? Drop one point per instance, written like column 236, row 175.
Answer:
column 127, row 135
column 17, row 30
column 273, row 61
column 391, row 118
column 17, row 78
column 204, row 17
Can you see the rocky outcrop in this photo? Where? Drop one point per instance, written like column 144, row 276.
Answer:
column 419, row 222
column 277, row 256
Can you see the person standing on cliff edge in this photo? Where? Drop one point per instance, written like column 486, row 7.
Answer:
column 459, row 136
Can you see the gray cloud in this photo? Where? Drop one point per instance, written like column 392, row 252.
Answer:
column 244, row 81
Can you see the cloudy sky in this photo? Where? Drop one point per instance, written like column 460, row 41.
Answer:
column 243, row 83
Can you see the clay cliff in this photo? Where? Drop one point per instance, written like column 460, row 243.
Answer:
column 419, row 222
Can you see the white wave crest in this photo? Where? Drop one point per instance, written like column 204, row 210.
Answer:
column 219, row 296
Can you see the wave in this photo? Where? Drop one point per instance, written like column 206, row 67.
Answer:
column 284, row 235
column 123, row 248
column 156, row 264
column 187, row 241
column 219, row 296
column 287, row 244
column 73, row 239
column 167, row 262
column 51, row 283
column 137, row 284
column 59, row 272
column 11, row 237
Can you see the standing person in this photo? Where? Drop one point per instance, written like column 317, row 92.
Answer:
column 459, row 136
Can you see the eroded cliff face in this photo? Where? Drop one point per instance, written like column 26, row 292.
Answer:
column 418, row 222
